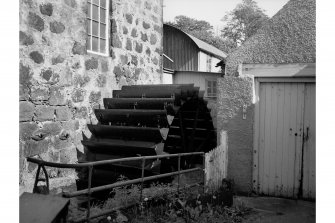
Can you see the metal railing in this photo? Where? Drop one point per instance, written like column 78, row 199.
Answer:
column 90, row 165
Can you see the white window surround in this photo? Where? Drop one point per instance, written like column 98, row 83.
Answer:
column 211, row 88
column 209, row 63
column 98, row 27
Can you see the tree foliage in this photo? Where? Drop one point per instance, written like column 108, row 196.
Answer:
column 202, row 30
column 189, row 25
column 243, row 21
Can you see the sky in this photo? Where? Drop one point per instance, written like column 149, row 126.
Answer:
column 213, row 11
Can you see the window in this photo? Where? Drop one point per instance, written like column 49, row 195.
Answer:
column 209, row 63
column 97, row 29
column 211, row 88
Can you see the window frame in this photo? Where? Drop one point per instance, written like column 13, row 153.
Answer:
column 209, row 63
column 210, row 85
column 90, row 36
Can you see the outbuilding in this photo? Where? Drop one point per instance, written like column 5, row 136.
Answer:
column 266, row 105
column 188, row 59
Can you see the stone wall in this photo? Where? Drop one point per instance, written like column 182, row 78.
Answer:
column 233, row 94
column 61, row 84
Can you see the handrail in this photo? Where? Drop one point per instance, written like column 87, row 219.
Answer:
column 90, row 166
column 104, row 162
column 124, row 183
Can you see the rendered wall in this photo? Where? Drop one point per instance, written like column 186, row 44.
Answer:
column 233, row 94
column 61, row 84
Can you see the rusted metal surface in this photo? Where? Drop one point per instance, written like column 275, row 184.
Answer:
column 187, row 90
column 40, row 208
column 132, row 117
column 131, row 125
column 198, row 130
column 147, row 134
column 104, row 162
column 41, row 189
column 147, row 93
column 121, row 147
column 139, row 112
column 138, row 103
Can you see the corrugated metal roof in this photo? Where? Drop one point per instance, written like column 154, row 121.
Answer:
column 203, row 46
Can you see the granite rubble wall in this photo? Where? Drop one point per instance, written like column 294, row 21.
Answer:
column 61, row 83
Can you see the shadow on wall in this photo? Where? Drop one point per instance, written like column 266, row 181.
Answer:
column 240, row 147
column 233, row 94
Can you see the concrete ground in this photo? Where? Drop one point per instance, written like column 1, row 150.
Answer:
column 275, row 210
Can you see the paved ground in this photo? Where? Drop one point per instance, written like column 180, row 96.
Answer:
column 275, row 210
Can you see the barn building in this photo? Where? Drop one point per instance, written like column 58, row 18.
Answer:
column 187, row 59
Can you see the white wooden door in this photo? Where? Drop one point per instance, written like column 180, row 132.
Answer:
column 283, row 111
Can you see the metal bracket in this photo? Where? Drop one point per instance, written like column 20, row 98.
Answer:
column 244, row 115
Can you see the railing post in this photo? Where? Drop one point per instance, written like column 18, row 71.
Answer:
column 142, row 176
column 46, row 178
column 204, row 170
column 178, row 173
column 37, row 178
column 90, row 169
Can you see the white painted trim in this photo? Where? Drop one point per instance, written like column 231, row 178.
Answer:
column 107, row 30
column 96, row 53
column 286, row 79
column 280, row 70
column 255, row 151
column 199, row 60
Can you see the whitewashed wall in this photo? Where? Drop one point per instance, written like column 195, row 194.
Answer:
column 203, row 63
column 167, row 78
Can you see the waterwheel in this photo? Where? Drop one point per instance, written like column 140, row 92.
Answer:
column 143, row 120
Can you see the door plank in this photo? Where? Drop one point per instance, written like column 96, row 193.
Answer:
column 266, row 169
column 273, row 139
column 262, row 106
column 279, row 137
column 299, row 137
column 292, row 128
column 286, row 136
